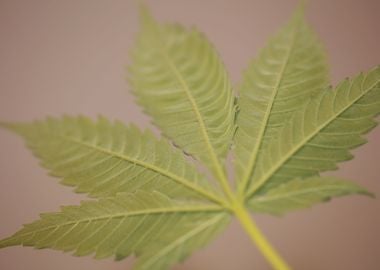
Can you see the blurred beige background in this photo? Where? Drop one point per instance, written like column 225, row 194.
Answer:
column 69, row 56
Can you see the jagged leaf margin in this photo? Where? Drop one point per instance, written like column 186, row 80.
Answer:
column 322, row 134
column 149, row 225
column 103, row 158
column 303, row 193
column 290, row 69
column 182, row 84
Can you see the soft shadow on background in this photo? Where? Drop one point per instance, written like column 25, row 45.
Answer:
column 69, row 57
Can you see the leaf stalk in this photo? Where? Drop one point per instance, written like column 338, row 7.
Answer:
column 258, row 238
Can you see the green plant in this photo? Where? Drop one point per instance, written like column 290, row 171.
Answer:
column 286, row 127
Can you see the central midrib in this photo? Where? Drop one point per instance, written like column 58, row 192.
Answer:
column 130, row 214
column 194, row 107
column 253, row 158
column 269, row 198
column 217, row 169
column 151, row 167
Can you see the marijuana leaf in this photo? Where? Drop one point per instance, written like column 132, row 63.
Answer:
column 151, row 201
column 302, row 193
column 149, row 224
column 181, row 82
column 104, row 158
column 322, row 133
column 289, row 70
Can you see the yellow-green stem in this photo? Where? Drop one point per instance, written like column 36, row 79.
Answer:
column 259, row 239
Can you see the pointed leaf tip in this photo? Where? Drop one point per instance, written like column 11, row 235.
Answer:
column 9, row 126
column 302, row 5
column 299, row 12
column 7, row 242
column 144, row 14
column 368, row 193
column 4, row 124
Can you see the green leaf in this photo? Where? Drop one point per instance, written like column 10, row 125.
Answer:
column 322, row 133
column 182, row 84
column 302, row 193
column 151, row 226
column 153, row 203
column 103, row 158
column 290, row 69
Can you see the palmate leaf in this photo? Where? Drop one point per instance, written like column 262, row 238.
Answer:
column 302, row 193
column 321, row 134
column 181, row 82
column 103, row 158
column 151, row 202
column 290, row 69
column 151, row 226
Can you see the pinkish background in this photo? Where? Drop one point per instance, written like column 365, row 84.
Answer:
column 69, row 56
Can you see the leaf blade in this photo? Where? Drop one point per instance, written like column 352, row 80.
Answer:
column 180, row 81
column 303, row 193
column 291, row 68
column 157, row 256
column 124, row 225
column 102, row 158
column 307, row 146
